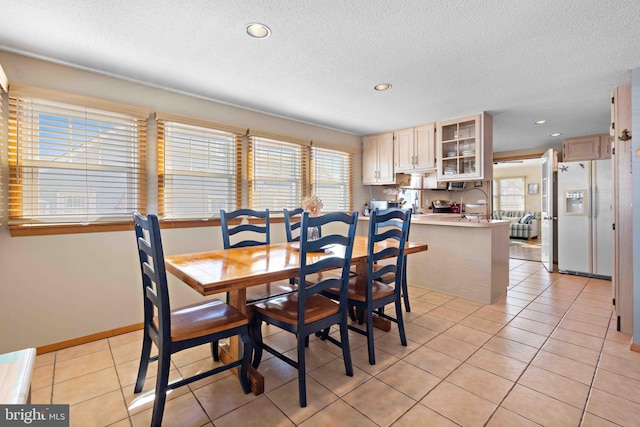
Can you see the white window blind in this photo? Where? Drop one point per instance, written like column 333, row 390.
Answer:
column 197, row 170
column 73, row 163
column 331, row 178
column 276, row 173
column 508, row 194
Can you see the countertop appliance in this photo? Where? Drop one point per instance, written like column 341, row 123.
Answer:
column 442, row 206
column 374, row 204
column 585, row 217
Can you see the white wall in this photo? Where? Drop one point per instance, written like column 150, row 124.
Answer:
column 56, row 288
column 635, row 165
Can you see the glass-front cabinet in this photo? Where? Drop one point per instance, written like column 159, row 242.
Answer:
column 464, row 148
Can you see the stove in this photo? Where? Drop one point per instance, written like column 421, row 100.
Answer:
column 442, row 206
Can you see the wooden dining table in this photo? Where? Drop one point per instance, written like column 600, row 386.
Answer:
column 235, row 270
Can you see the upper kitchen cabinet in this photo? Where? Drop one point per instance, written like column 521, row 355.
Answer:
column 591, row 147
column 414, row 149
column 377, row 159
column 464, row 148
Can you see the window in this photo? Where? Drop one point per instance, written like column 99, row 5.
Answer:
column 331, row 178
column 197, row 170
column 277, row 171
column 74, row 163
column 508, row 194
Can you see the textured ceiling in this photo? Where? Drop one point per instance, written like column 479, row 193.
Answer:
column 519, row 60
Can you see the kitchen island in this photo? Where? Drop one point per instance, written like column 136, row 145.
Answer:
column 468, row 258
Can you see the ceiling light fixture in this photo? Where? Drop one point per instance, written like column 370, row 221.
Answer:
column 556, row 134
column 382, row 86
column 258, row 31
column 540, row 122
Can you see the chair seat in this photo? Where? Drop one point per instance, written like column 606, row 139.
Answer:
column 268, row 290
column 201, row 319
column 358, row 289
column 285, row 308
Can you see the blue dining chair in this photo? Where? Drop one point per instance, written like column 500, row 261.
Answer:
column 292, row 218
column 382, row 284
column 174, row 330
column 307, row 311
column 405, row 287
column 248, row 227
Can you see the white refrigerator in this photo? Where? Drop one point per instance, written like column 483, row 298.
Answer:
column 585, row 218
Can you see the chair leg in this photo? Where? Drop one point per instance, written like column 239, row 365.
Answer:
column 302, row 374
column 255, row 333
column 161, row 388
column 400, row 321
column 144, row 362
column 246, row 360
column 352, row 313
column 346, row 350
column 405, row 290
column 372, row 354
column 215, row 350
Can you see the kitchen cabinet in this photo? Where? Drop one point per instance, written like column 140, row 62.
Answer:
column 377, row 159
column 592, row 147
column 622, row 271
column 464, row 148
column 414, row 149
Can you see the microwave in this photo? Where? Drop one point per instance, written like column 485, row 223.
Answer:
column 456, row 186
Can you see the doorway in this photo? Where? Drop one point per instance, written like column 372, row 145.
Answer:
column 524, row 177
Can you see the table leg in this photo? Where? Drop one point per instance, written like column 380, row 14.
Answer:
column 238, row 299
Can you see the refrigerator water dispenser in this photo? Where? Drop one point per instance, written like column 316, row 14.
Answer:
column 575, row 202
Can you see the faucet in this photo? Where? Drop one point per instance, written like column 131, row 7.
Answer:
column 486, row 203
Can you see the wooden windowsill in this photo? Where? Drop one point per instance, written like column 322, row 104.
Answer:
column 52, row 229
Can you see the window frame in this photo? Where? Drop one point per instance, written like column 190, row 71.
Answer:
column 314, row 182
column 253, row 140
column 22, row 225
column 497, row 205
column 210, row 128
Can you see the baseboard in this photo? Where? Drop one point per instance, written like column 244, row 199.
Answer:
column 88, row 338
column 635, row 347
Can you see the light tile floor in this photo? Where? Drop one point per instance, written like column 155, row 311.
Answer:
column 546, row 354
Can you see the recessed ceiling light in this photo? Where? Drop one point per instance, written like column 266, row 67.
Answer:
column 382, row 86
column 258, row 31
column 540, row 122
column 556, row 134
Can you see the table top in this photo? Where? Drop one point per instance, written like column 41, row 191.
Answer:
column 226, row 270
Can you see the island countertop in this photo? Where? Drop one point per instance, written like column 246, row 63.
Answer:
column 452, row 220
column 467, row 258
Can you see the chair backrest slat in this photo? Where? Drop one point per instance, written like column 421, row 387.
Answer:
column 249, row 231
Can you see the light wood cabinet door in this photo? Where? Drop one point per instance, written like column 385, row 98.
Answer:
column 464, row 148
column 425, row 147
column 581, row 148
column 386, row 173
column 370, row 160
column 605, row 146
column 414, row 149
column 404, row 150
column 377, row 159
